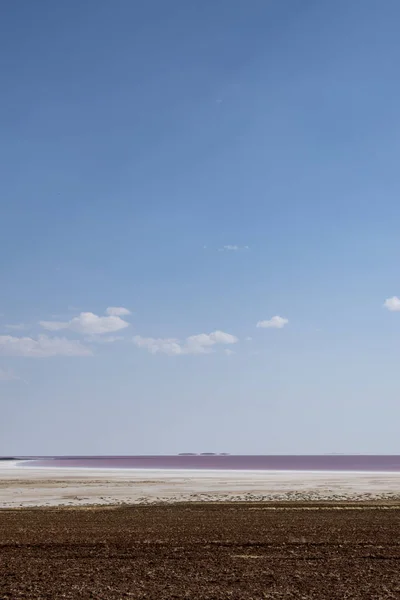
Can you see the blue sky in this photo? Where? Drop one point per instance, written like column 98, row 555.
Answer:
column 206, row 166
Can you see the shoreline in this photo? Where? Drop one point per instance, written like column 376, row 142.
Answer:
column 17, row 464
column 23, row 486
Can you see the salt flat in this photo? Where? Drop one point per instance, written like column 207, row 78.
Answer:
column 29, row 486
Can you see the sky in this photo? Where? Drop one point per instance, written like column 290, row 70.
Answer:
column 199, row 227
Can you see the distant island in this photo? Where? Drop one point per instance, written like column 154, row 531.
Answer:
column 204, row 454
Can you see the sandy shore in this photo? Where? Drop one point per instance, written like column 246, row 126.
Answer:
column 27, row 486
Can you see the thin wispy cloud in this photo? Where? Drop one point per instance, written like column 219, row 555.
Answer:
column 273, row 323
column 104, row 339
column 16, row 326
column 229, row 352
column 88, row 323
column 232, row 248
column 202, row 343
column 169, row 346
column 392, row 304
column 41, row 347
column 118, row 311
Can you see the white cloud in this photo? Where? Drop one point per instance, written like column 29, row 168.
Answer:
column 169, row 346
column 274, row 323
column 202, row 343
column 6, row 375
column 41, row 347
column 229, row 352
column 54, row 325
column 248, row 338
column 87, row 323
column 392, row 304
column 195, row 344
column 118, row 311
column 232, row 248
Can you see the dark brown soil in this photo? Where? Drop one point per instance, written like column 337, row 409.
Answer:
column 195, row 552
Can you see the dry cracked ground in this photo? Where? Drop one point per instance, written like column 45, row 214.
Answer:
column 194, row 552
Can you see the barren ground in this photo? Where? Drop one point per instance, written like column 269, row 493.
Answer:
column 201, row 551
column 32, row 487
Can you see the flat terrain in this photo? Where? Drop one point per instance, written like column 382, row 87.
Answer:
column 201, row 551
column 29, row 486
